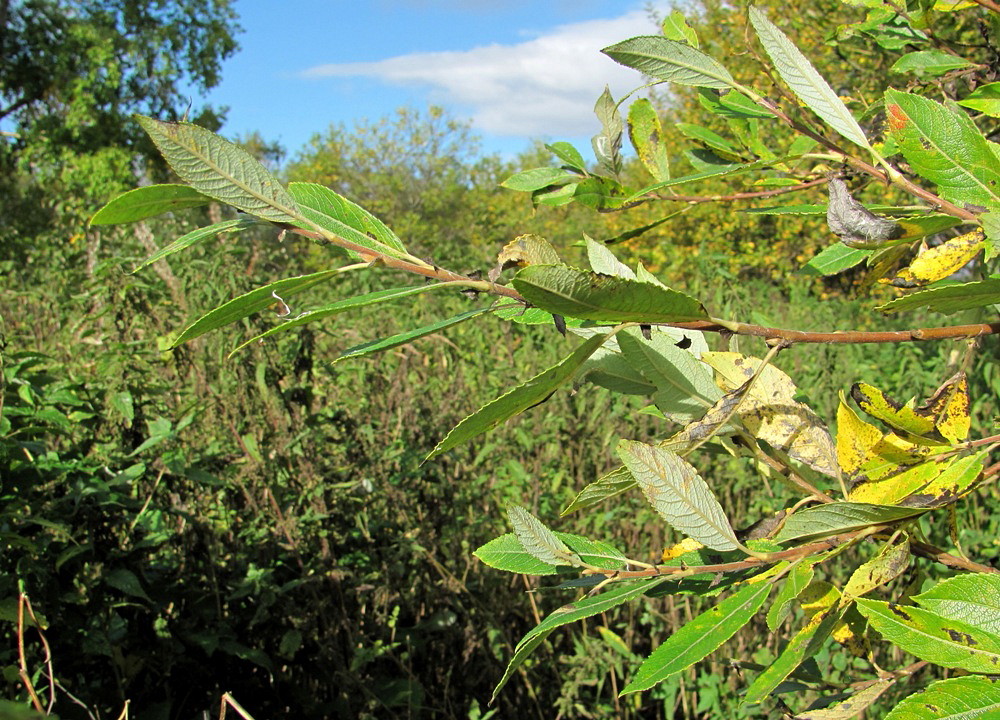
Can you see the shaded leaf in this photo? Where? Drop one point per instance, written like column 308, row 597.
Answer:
column 221, row 170
column 342, row 306
column 522, row 397
column 797, row 580
column 984, row 99
column 607, row 486
column 607, row 144
column 587, row 607
column 699, row 637
column 718, row 172
column 126, row 581
column 670, row 60
column 856, row 225
column 960, row 698
column 603, row 261
column 387, row 343
column 148, row 201
column 851, row 706
column 527, row 250
column 582, row 294
column 928, row 62
column 249, row 303
column 839, row 517
column 679, row 494
column 196, row 236
column 932, row 637
column 803, row 79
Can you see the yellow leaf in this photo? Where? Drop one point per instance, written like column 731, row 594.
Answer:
column 894, row 488
column 684, row 546
column 855, row 438
column 902, row 417
column 939, row 262
column 850, row 633
column 818, row 596
column 953, row 5
column 771, row 413
column 954, row 481
column 885, row 567
column 948, row 409
column 527, row 250
column 890, row 456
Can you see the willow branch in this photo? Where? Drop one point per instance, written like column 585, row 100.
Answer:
column 989, row 5
column 783, row 335
column 695, row 199
column 938, row 555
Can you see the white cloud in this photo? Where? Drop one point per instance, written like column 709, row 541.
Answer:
column 544, row 86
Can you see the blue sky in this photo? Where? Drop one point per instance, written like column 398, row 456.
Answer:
column 518, row 69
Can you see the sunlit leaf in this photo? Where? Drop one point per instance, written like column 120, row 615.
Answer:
column 670, row 60
column 221, row 170
column 835, row 259
column 646, row 134
column 676, row 27
column 527, row 250
column 840, row 517
column 949, row 409
column 699, row 637
column 603, row 261
column 797, row 580
column 928, row 62
column 985, row 99
column 507, row 553
column 880, row 406
column 803, row 79
column 679, row 494
column 538, row 540
column 949, row 298
column 607, row 144
column 954, row 481
column 940, row 261
column 969, row 698
column 771, row 413
column 148, row 201
column 607, row 486
column 855, row 438
column 538, row 178
column 343, row 218
column 894, row 487
column 526, row 395
column 569, row 155
column 943, row 145
column 582, row 294
column 941, row 640
column 973, row 598
column 882, row 569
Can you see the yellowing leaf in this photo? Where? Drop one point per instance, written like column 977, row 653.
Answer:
column 954, row 481
column 890, row 456
column 949, row 409
column 818, row 596
column 880, row 570
column 855, row 438
column 902, row 417
column 939, row 262
column 771, row 413
column 684, row 546
column 894, row 488
column 527, row 250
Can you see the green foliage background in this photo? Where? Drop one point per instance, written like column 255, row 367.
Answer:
column 187, row 524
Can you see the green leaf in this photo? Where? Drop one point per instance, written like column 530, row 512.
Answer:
column 221, row 170
column 342, row 306
column 943, row 145
column 253, row 301
column 538, row 540
column 675, row 27
column 880, row 570
column 524, row 396
column 928, row 62
column 578, row 293
column 949, row 298
column 803, row 79
column 127, row 582
column 679, row 494
column 722, row 171
column 148, row 201
column 387, row 343
column 699, row 637
column 985, row 99
column 607, row 144
column 804, row 644
column 670, row 60
column 587, row 607
column 344, row 219
column 840, row 517
column 722, row 147
column 538, row 178
column 960, row 698
column 796, row 581
column 932, row 637
column 603, row 261
column 196, row 236
column 517, row 312
column 607, row 486
column 733, row 106
column 835, row 258
column 973, row 598
column 646, row 134
column 569, row 155
column 507, row 553
column 684, row 385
